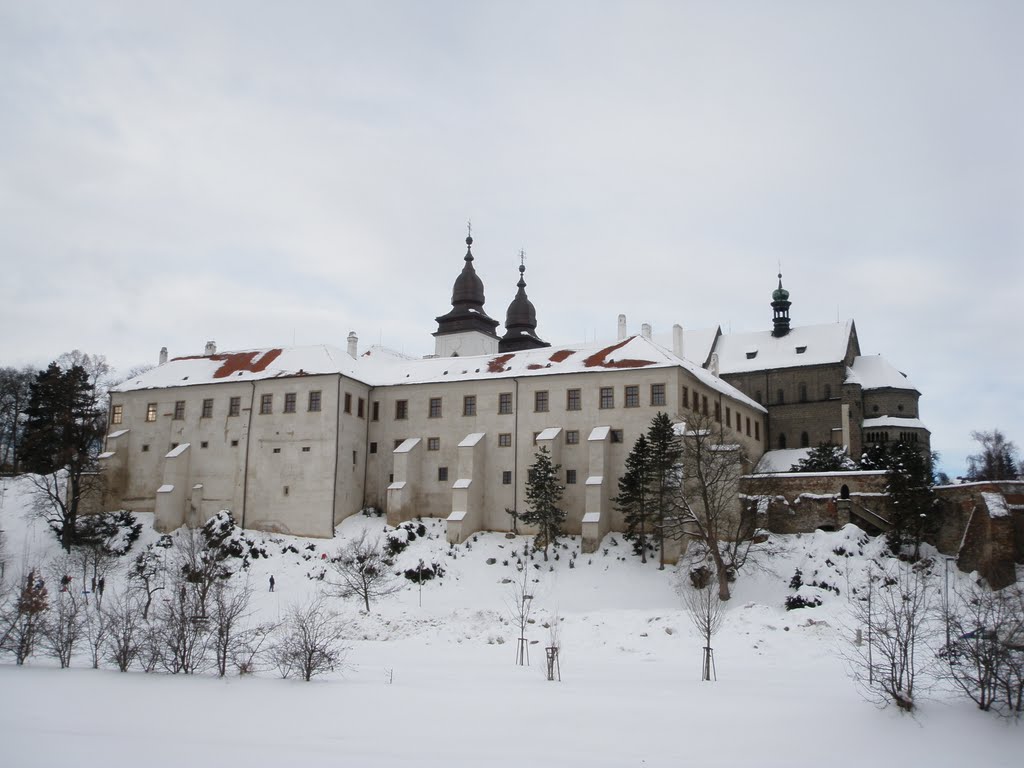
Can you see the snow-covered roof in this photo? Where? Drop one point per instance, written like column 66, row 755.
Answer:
column 893, row 421
column 875, row 372
column 996, row 504
column 781, row 460
column 803, row 345
column 697, row 344
column 380, row 367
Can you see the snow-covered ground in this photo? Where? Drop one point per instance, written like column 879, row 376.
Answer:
column 436, row 685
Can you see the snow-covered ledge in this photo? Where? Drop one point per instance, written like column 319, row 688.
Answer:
column 467, row 516
column 596, row 516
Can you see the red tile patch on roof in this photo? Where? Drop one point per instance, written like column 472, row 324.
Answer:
column 233, row 362
column 600, row 358
column 497, row 365
column 562, row 355
column 534, row 367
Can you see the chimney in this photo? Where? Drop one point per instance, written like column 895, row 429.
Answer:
column 645, row 330
column 677, row 340
column 211, row 348
column 622, row 327
column 714, row 364
column 163, row 355
column 353, row 344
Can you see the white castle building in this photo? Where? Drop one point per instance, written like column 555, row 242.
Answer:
column 295, row 440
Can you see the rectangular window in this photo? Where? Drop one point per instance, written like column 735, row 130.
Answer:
column 179, row 410
column 739, row 421
column 433, row 443
column 505, row 402
column 570, row 477
column 572, row 437
column 728, row 416
column 704, row 398
column 207, row 412
column 373, row 447
column 361, row 408
column 314, row 400
column 277, row 450
column 540, row 401
column 657, row 394
column 442, row 474
column 686, row 397
column 757, row 431
column 718, row 411
column 305, row 449
column 376, row 410
column 117, row 414
column 505, row 440
column 204, row 444
column 573, row 400
column 355, row 458
column 348, row 402
column 435, row 408
column 289, row 402
column 145, row 449
column 607, row 399
column 401, row 409
column 234, row 443
column 469, row 405
column 266, row 404
column 234, row 406
column 632, row 396
column 616, row 435
column 506, row 477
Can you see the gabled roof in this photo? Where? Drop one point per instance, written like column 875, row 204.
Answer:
column 875, row 372
column 380, row 367
column 803, row 345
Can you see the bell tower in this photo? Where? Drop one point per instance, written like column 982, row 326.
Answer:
column 466, row 329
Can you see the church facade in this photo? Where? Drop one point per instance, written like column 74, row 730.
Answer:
column 296, row 439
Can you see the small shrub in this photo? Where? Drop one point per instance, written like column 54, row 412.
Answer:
column 799, row 601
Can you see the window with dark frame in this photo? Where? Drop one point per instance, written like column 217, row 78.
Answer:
column 469, row 405
column 207, row 411
column 433, row 443
column 506, row 477
column 347, row 407
column 151, row 412
column 570, row 477
column 435, row 408
column 505, row 402
column 373, row 447
column 757, row 430
column 657, row 394
column 632, row 396
column 718, row 411
column 540, row 401
column 442, row 474
column 505, row 440
column 616, row 436
column 117, row 414
column 145, row 449
column 686, row 397
column 234, row 406
column 607, row 397
column 204, row 444
column 179, row 410
column 314, row 400
column 289, row 402
column 360, row 408
column 704, row 402
column 572, row 436
column 573, row 400
column 401, row 409
column 375, row 411
column 266, row 404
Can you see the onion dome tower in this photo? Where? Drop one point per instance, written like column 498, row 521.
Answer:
column 521, row 320
column 466, row 329
column 780, row 307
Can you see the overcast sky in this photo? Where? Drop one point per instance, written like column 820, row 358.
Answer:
column 268, row 173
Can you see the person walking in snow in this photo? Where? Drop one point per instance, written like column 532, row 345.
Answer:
column 271, row 582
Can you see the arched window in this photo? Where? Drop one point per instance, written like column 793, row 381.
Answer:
column 803, row 392
column 805, row 440
column 844, row 492
column 782, row 440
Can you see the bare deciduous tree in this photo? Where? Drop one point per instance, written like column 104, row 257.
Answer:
column 182, row 627
column 126, row 626
column 707, row 505
column 520, row 608
column 310, row 641
column 66, row 623
column 707, row 612
column 24, row 616
column 230, row 635
column 148, row 574
column 363, row 569
column 985, row 650
column 895, row 613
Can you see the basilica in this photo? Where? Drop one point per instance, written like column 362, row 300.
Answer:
column 296, row 439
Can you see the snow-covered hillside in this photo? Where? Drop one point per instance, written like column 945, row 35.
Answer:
column 435, row 684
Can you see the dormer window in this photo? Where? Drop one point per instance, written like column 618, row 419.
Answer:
column 752, row 354
column 801, row 350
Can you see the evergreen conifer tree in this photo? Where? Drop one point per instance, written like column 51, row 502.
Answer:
column 910, row 487
column 63, row 434
column 543, row 494
column 633, row 499
column 666, row 449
